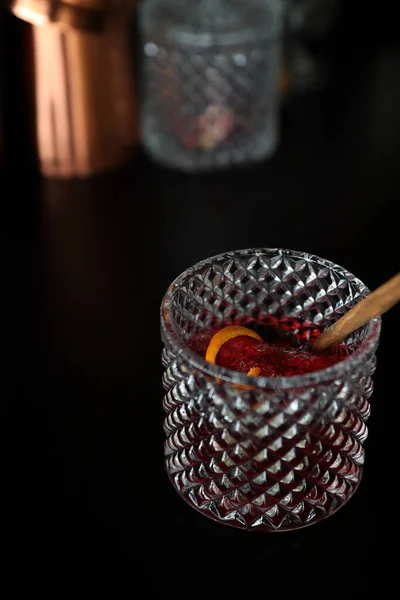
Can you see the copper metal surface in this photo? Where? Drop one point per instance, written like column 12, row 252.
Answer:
column 86, row 113
column 91, row 15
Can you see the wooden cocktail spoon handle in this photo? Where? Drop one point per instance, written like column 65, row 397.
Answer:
column 376, row 303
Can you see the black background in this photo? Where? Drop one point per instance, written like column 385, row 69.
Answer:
column 83, row 269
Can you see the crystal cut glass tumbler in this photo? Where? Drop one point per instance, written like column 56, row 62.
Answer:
column 258, row 453
column 210, row 72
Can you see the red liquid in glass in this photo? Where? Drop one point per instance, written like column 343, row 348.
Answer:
column 267, row 466
column 283, row 352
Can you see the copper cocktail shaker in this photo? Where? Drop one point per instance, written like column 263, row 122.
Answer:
column 86, row 110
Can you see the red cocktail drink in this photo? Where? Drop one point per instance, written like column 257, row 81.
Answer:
column 284, row 448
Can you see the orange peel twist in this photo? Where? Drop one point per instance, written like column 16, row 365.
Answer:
column 226, row 334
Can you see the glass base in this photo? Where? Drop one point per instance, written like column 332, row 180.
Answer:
column 253, row 150
column 261, row 524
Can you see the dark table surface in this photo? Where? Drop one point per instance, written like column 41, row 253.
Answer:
column 84, row 266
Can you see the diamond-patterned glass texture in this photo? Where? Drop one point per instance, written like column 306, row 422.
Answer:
column 210, row 81
column 276, row 454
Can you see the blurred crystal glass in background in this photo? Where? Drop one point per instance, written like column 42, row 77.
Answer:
column 210, row 71
column 308, row 23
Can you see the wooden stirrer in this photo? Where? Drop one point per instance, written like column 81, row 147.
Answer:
column 377, row 303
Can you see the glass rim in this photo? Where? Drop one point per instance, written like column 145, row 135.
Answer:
column 180, row 346
column 203, row 32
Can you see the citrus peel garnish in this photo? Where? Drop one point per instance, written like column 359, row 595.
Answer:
column 224, row 335
column 254, row 372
